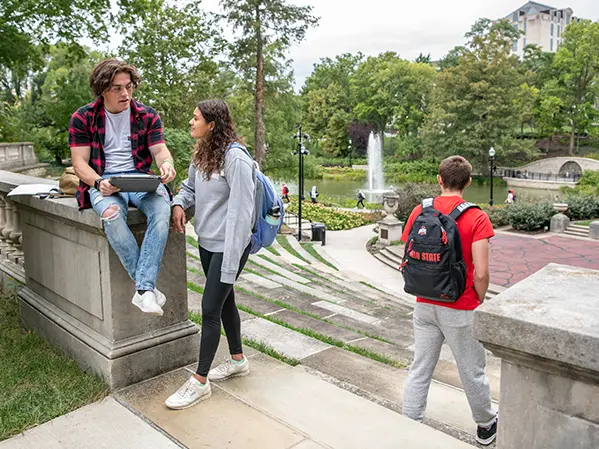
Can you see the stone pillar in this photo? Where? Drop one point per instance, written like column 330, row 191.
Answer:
column 8, row 228
column 3, row 224
column 594, row 230
column 546, row 331
column 559, row 223
column 16, row 237
column 78, row 295
column 390, row 228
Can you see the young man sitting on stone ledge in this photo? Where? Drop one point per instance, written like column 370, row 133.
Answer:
column 116, row 135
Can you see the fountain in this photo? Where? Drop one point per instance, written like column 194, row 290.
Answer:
column 376, row 182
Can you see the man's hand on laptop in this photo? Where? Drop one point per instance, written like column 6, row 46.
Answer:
column 107, row 189
column 167, row 171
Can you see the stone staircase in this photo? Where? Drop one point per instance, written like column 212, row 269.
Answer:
column 577, row 230
column 349, row 332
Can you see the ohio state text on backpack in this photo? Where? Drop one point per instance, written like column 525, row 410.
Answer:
column 433, row 266
column 268, row 209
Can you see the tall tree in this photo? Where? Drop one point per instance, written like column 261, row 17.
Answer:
column 327, row 102
column 174, row 50
column 577, row 64
column 262, row 23
column 474, row 105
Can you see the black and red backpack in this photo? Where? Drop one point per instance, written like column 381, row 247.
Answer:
column 433, row 266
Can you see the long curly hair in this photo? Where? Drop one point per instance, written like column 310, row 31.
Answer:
column 209, row 154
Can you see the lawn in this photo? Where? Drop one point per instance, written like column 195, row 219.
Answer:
column 37, row 382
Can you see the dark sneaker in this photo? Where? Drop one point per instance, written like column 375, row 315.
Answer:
column 486, row 435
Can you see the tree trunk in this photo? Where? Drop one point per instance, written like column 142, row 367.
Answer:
column 571, row 149
column 259, row 133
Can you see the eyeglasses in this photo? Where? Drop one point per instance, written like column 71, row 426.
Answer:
column 117, row 88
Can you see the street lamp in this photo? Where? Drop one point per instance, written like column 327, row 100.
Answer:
column 491, row 170
column 302, row 151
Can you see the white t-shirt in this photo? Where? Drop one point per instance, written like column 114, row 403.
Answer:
column 117, row 142
column 510, row 198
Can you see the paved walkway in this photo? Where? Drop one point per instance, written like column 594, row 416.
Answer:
column 515, row 257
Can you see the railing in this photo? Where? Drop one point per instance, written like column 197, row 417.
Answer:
column 534, row 176
column 291, row 219
column 12, row 257
column 18, row 154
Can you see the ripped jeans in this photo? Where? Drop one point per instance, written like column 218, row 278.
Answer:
column 143, row 263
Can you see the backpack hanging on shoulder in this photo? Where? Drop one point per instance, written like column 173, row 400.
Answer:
column 268, row 209
column 433, row 266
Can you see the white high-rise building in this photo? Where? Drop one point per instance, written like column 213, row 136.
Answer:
column 541, row 24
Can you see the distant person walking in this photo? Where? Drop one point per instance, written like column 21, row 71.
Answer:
column 511, row 197
column 361, row 198
column 285, row 192
column 313, row 194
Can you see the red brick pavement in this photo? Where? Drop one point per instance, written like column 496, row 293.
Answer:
column 514, row 258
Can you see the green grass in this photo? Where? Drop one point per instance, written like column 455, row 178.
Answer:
column 263, row 268
column 371, row 286
column 193, row 256
column 307, row 270
column 309, row 247
column 37, row 382
column 373, row 240
column 268, row 350
column 195, row 270
column 196, row 288
column 328, row 339
column 268, row 259
column 273, row 250
column 585, row 222
column 287, row 246
column 191, row 240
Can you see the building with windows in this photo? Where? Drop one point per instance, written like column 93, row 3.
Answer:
column 541, row 25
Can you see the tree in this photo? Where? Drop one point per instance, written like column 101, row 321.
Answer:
column 577, row 64
column 262, row 23
column 327, row 102
column 390, row 91
column 424, row 59
column 474, row 105
column 174, row 49
column 452, row 58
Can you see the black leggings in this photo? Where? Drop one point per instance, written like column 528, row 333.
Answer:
column 218, row 302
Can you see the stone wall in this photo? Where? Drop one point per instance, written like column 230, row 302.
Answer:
column 546, row 331
column 540, row 185
column 77, row 295
column 15, row 155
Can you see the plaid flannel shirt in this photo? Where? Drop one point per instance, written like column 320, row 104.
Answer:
column 88, row 129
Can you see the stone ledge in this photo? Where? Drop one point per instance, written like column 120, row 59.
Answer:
column 535, row 319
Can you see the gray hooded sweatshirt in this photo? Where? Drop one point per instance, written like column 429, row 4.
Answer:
column 224, row 208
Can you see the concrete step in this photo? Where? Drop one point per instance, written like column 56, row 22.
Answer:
column 280, row 406
column 577, row 232
column 393, row 256
column 580, row 227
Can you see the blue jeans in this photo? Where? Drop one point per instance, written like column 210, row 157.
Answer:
column 141, row 264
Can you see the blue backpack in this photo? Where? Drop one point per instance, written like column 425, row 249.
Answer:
column 268, row 209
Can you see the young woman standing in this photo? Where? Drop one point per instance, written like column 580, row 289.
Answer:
column 221, row 186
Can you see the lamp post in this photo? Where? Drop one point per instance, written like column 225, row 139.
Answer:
column 301, row 151
column 491, row 170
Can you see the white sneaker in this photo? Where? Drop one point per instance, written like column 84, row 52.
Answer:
column 160, row 298
column 189, row 394
column 230, row 369
column 147, row 303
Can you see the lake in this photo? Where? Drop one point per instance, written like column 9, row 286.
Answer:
column 476, row 193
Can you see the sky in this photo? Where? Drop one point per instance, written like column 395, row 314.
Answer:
column 408, row 28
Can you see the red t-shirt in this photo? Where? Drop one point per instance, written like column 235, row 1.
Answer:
column 473, row 225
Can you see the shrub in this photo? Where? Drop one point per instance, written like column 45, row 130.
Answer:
column 411, row 195
column 335, row 220
column 530, row 216
column 582, row 206
column 590, row 178
column 497, row 214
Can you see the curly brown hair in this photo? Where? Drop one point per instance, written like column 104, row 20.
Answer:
column 209, row 154
column 101, row 77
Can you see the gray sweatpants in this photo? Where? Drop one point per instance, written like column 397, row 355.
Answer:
column 433, row 325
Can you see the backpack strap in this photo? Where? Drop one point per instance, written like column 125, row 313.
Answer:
column 461, row 208
column 427, row 204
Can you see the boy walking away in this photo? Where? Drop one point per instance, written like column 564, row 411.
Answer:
column 285, row 193
column 446, row 265
column 361, row 198
column 313, row 194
